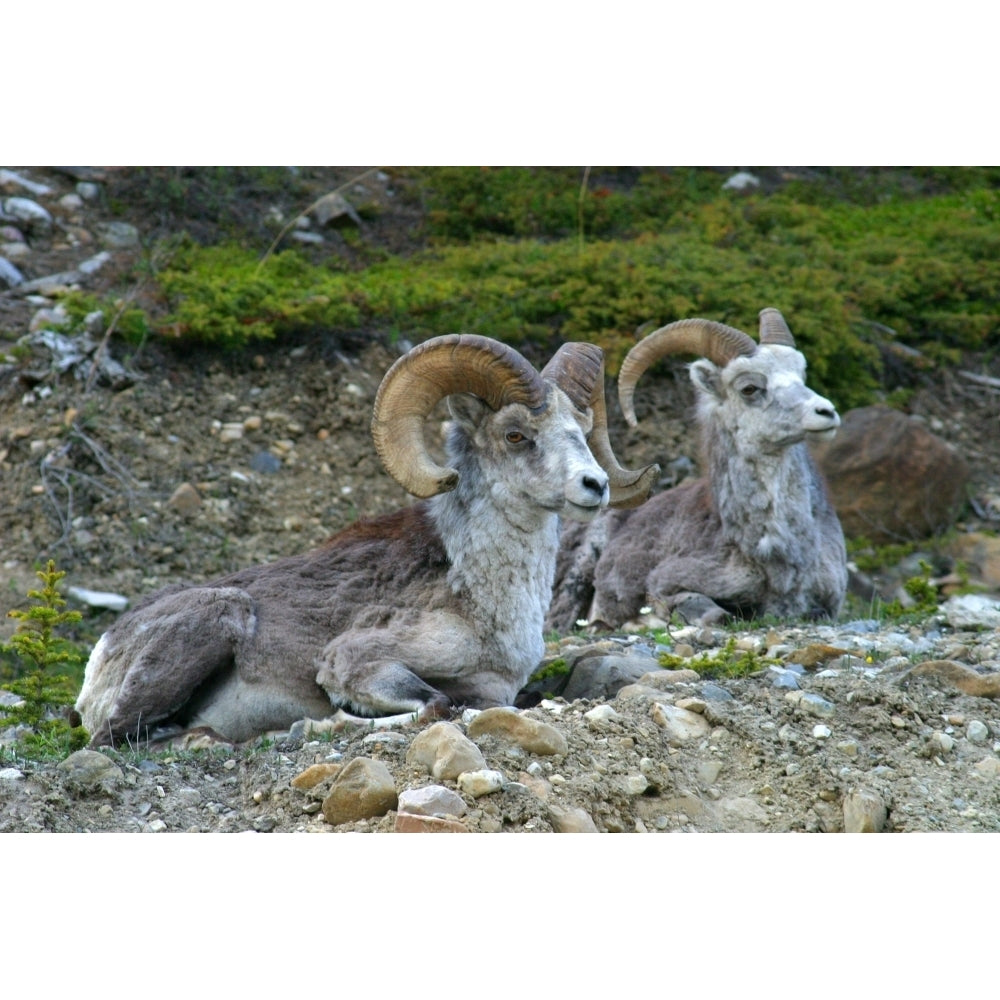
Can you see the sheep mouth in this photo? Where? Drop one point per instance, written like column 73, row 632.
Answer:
column 580, row 511
column 826, row 434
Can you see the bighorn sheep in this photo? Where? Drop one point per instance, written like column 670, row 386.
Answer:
column 757, row 534
column 439, row 603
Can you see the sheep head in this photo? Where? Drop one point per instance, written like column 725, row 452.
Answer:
column 756, row 378
column 578, row 369
column 498, row 376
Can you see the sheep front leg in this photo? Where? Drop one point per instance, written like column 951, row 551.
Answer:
column 364, row 676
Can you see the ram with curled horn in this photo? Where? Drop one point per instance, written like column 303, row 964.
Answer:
column 757, row 533
column 439, row 604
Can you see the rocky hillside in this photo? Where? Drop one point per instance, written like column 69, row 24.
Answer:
column 137, row 469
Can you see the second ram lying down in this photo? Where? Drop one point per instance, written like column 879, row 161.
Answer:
column 757, row 534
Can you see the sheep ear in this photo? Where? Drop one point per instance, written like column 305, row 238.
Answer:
column 467, row 409
column 706, row 377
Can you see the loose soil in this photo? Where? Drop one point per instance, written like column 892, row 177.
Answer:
column 90, row 477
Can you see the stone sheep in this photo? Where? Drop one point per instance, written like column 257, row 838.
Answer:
column 439, row 604
column 757, row 534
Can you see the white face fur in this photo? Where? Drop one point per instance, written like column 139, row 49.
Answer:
column 536, row 462
column 764, row 399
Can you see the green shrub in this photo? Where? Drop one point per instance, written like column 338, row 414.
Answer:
column 45, row 696
column 726, row 662
column 918, row 267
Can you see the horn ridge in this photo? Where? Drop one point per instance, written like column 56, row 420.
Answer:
column 774, row 329
column 421, row 378
column 706, row 338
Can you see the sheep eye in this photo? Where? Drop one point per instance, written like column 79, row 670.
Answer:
column 514, row 437
column 749, row 391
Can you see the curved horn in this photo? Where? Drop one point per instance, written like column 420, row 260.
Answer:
column 578, row 369
column 774, row 329
column 704, row 337
column 421, row 378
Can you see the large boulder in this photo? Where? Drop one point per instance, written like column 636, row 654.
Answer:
column 891, row 478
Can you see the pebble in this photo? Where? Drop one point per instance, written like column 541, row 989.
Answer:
column 713, row 692
column 412, row 823
column 89, row 769
column 814, row 704
column 977, row 732
column 118, row 235
column 10, row 178
column 975, row 611
column 363, row 789
column 708, row 771
column 10, row 276
column 604, row 676
column 989, row 768
column 635, row 784
column 573, row 820
column 266, row 463
column 445, row 751
column 98, row 598
column 432, row 800
column 29, row 213
column 185, row 499
column 479, row 783
column 230, row 432
column 679, row 725
column 781, row 678
column 529, row 734
column 864, row 812
column 315, row 775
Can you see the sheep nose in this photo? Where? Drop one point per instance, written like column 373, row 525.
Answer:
column 826, row 411
column 595, row 484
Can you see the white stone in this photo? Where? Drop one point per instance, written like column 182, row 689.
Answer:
column 972, row 611
column 478, row 783
column 680, row 725
column 98, row 598
column 431, row 800
column 26, row 210
column 740, row 181
column 231, row 432
column 635, row 784
column 864, row 812
column 95, row 263
column 977, row 732
column 600, row 714
column 445, row 751
column 8, row 177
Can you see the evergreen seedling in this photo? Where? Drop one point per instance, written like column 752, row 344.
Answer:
column 44, row 694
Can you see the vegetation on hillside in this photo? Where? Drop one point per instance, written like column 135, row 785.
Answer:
column 44, row 675
column 878, row 271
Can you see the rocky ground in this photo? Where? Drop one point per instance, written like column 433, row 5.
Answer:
column 180, row 467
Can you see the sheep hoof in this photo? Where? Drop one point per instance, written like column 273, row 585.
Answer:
column 437, row 708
